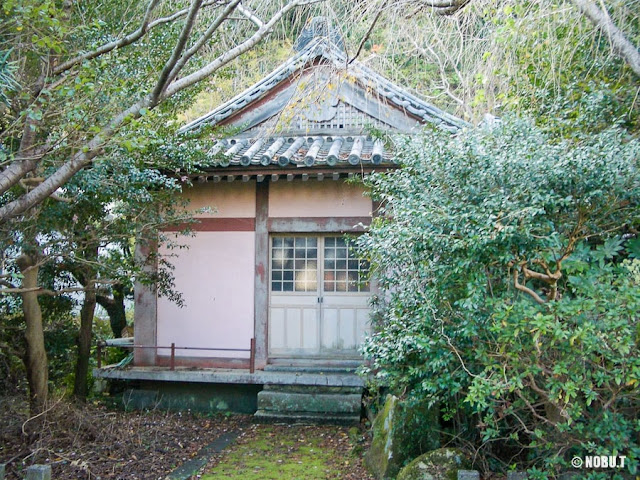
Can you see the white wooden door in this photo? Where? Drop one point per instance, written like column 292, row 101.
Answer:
column 318, row 306
column 344, row 299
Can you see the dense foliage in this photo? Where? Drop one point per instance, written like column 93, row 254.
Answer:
column 89, row 94
column 505, row 257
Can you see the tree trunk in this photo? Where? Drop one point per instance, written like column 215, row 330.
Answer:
column 85, row 334
column 115, row 309
column 36, row 356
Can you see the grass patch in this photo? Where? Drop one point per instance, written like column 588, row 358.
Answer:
column 281, row 452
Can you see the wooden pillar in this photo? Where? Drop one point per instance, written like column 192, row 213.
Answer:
column 146, row 306
column 261, row 306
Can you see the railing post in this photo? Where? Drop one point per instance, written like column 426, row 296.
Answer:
column 99, row 352
column 252, row 356
column 173, row 356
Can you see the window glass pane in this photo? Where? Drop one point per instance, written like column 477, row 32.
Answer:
column 329, row 284
column 344, row 272
column 294, row 264
column 306, row 280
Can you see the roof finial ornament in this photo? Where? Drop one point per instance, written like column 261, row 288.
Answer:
column 318, row 27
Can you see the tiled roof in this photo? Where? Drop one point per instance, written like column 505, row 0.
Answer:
column 321, row 48
column 301, row 151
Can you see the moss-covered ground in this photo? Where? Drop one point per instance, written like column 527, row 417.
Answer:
column 282, row 452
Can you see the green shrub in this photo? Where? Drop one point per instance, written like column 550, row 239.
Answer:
column 507, row 299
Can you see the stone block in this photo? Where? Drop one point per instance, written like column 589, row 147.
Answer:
column 441, row 464
column 516, row 476
column 401, row 432
column 309, row 402
column 468, row 475
column 38, row 472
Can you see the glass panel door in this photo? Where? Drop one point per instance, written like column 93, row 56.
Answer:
column 294, row 313
column 308, row 317
column 345, row 299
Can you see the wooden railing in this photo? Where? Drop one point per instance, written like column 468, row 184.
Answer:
column 172, row 363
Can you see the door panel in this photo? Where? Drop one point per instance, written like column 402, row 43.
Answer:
column 308, row 317
column 345, row 322
column 293, row 324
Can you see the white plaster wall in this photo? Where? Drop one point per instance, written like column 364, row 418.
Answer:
column 226, row 199
column 216, row 278
column 312, row 198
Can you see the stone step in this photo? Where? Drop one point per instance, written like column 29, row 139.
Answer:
column 310, row 404
column 313, row 389
column 310, row 369
column 284, row 402
column 306, row 418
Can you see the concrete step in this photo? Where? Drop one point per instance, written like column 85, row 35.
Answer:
column 309, row 369
column 316, row 389
column 315, row 364
column 307, row 418
column 309, row 402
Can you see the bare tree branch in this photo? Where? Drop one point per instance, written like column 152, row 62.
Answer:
column 127, row 40
column 53, row 293
column 78, row 161
column 368, row 34
column 250, row 15
column 145, row 26
column 443, row 7
column 525, row 289
column 177, row 51
column 620, row 43
column 26, row 158
column 225, row 58
column 87, row 152
column 206, row 36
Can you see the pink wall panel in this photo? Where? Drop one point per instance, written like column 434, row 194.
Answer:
column 226, row 199
column 216, row 277
column 317, row 199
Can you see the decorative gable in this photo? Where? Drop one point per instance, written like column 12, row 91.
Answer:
column 317, row 109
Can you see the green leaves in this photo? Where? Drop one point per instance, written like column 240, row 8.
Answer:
column 464, row 215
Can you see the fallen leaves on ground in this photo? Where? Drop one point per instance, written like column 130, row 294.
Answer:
column 94, row 442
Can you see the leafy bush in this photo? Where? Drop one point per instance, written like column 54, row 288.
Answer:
column 508, row 295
